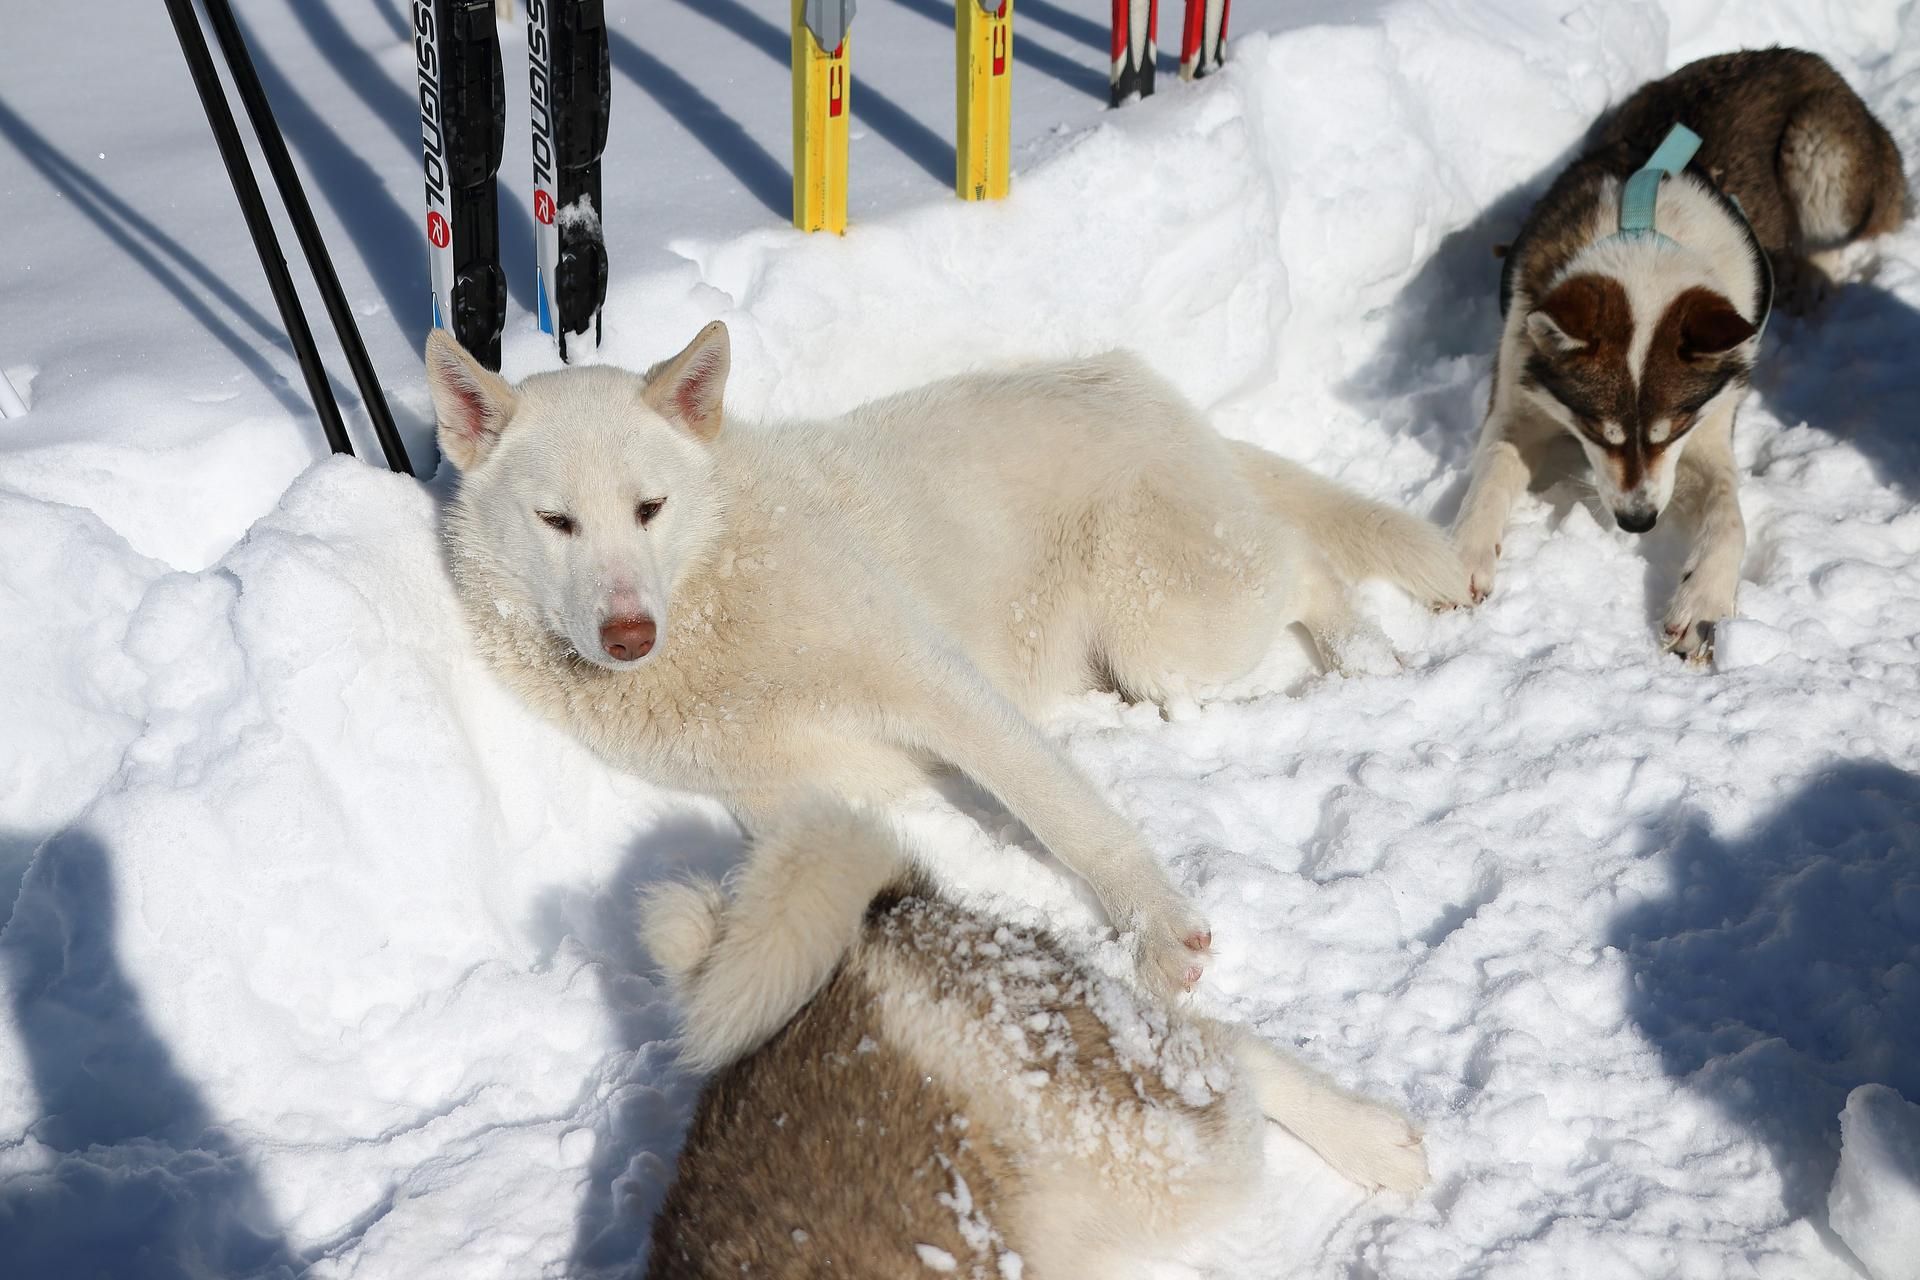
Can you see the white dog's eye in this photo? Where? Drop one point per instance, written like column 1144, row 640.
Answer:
column 556, row 521
column 647, row 510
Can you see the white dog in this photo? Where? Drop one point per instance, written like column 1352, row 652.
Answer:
column 906, row 1087
column 839, row 604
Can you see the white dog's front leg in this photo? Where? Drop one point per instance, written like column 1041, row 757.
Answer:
column 962, row 719
column 1711, row 578
column 1501, row 473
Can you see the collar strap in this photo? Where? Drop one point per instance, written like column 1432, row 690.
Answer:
column 1642, row 191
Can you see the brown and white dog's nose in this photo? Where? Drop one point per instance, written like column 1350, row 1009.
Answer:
column 626, row 639
column 1636, row 519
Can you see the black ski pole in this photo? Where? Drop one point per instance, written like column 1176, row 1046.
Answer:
column 463, row 122
column 571, row 89
column 259, row 225
column 294, row 197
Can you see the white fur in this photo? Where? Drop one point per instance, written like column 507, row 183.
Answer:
column 742, row 966
column 841, row 603
column 1700, row 245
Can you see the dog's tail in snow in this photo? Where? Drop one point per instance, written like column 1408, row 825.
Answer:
column 1359, row 537
column 743, row 965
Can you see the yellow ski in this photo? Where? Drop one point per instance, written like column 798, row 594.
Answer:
column 983, row 43
column 822, row 95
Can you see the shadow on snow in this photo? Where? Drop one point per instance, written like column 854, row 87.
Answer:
column 138, row 1178
column 1780, row 972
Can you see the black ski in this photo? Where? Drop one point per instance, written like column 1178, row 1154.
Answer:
column 571, row 89
column 463, row 120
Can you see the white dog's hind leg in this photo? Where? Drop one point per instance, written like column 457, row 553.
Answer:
column 1365, row 1142
column 1711, row 578
column 1349, row 642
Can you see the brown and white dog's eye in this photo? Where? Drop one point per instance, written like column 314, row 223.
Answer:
column 647, row 510
column 556, row 521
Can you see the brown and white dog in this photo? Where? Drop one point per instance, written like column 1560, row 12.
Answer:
column 904, row 1086
column 1639, row 346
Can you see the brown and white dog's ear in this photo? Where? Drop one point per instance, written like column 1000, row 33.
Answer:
column 1709, row 326
column 471, row 402
column 688, row 389
column 1575, row 315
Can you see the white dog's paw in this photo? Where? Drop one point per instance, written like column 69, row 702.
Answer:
column 1697, row 608
column 1172, row 944
column 1478, row 556
column 1378, row 1149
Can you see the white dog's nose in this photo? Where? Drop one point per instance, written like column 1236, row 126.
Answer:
column 625, row 639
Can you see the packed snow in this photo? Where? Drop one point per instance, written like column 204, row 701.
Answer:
column 1875, row 1202
column 319, row 949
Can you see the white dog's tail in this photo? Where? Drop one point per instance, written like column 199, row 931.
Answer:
column 1359, row 537
column 743, row 966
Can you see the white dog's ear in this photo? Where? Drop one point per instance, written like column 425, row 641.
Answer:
column 471, row 402
column 688, row 388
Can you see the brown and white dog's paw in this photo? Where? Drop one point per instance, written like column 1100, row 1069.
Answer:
column 1698, row 607
column 1375, row 1147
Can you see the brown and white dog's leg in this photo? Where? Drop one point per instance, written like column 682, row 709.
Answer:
column 1706, row 484
column 1501, row 472
column 1366, row 1142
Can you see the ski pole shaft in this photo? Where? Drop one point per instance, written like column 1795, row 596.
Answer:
column 193, row 45
column 983, row 42
column 260, row 114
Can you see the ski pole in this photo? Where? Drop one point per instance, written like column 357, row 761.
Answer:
column 983, row 40
column 260, row 114
column 822, row 93
column 463, row 118
column 1135, row 30
column 193, row 45
column 1203, row 43
column 571, row 86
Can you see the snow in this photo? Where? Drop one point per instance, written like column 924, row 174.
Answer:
column 1875, row 1202
column 318, row 948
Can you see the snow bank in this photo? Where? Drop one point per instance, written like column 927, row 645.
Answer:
column 1875, row 1202
column 322, row 956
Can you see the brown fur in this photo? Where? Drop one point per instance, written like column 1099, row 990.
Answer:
column 1755, row 111
column 1686, row 367
column 821, row 1155
column 836, row 1149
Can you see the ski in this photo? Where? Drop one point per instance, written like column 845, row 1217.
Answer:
column 1203, row 42
column 462, row 130
column 571, row 87
column 1135, row 31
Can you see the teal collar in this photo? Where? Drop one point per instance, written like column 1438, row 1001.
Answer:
column 1642, row 192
